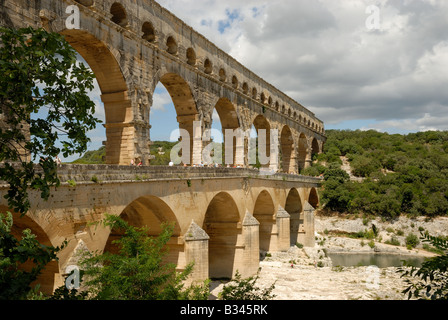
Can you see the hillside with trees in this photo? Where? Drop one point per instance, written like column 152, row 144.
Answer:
column 392, row 174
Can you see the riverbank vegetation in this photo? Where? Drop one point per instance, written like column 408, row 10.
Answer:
column 388, row 175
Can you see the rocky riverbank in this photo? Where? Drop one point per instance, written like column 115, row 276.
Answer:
column 308, row 274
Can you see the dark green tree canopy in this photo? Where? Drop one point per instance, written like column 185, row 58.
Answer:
column 43, row 100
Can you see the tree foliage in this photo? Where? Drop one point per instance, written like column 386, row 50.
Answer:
column 431, row 280
column 43, row 100
column 137, row 271
column 15, row 280
column 400, row 173
column 246, row 289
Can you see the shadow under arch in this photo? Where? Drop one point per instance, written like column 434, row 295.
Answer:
column 264, row 212
column 114, row 91
column 46, row 280
column 293, row 206
column 287, row 147
column 150, row 212
column 313, row 198
column 221, row 224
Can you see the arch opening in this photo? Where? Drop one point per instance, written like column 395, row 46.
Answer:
column 221, row 224
column 263, row 142
column 119, row 15
column 313, row 198
column 47, row 277
column 191, row 57
column 264, row 212
column 287, row 146
column 114, row 92
column 149, row 33
column 302, row 151
column 179, row 93
column 150, row 212
column 171, row 45
column 293, row 206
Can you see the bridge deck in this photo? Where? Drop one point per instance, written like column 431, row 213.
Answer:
column 113, row 173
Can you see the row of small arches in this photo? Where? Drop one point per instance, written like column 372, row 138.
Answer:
column 119, row 17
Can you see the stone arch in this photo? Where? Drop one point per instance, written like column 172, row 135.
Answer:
column 171, row 45
column 254, row 93
column 149, row 33
column 184, row 104
column 264, row 212
column 228, row 117
column 245, row 88
column 221, row 224
column 222, row 75
column 302, row 151
column 315, row 150
column 235, row 82
column 46, row 280
column 191, row 57
column 293, row 206
column 208, row 66
column 287, row 148
column 313, row 198
column 114, row 92
column 119, row 15
column 149, row 212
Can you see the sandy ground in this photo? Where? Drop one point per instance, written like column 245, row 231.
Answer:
column 297, row 276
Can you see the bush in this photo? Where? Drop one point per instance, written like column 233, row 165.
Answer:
column 412, row 240
column 245, row 289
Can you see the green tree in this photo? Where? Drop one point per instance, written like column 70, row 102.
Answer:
column 246, row 289
column 430, row 281
column 15, row 280
column 43, row 100
column 137, row 271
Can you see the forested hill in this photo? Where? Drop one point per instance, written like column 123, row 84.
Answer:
column 391, row 174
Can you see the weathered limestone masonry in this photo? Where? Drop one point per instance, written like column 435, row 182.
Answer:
column 131, row 46
column 223, row 217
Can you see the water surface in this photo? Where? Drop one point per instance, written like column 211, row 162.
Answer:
column 381, row 260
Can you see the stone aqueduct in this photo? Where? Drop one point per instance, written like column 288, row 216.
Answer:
column 223, row 216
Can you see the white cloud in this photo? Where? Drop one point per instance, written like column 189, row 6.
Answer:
column 321, row 54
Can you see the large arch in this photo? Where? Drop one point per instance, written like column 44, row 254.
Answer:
column 229, row 121
column 150, row 212
column 114, row 93
column 287, row 148
column 294, row 207
column 315, row 150
column 221, row 225
column 264, row 212
column 47, row 277
column 186, row 109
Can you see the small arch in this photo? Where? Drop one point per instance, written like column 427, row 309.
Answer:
column 289, row 112
column 222, row 75
column 270, row 101
column 191, row 57
column 119, row 15
column 235, row 82
column 287, row 146
column 283, row 108
column 245, row 88
column 149, row 33
column 277, row 106
column 254, row 93
column 263, row 98
column 208, row 66
column 171, row 45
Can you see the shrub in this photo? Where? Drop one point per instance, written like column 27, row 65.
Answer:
column 412, row 241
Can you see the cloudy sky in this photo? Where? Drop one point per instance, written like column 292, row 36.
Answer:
column 335, row 59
